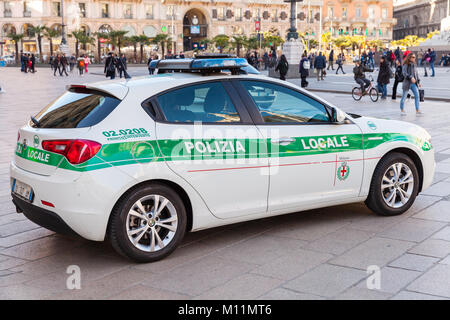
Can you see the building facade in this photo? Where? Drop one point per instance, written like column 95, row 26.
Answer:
column 372, row 18
column 188, row 22
column 418, row 17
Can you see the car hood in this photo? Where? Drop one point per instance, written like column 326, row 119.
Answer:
column 370, row 125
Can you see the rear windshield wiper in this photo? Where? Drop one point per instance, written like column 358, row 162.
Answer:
column 35, row 121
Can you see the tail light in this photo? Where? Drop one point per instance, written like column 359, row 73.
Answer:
column 75, row 151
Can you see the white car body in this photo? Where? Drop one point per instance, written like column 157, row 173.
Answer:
column 219, row 192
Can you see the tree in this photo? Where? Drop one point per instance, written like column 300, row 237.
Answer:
column 221, row 41
column 51, row 33
column 160, row 40
column 342, row 42
column 78, row 35
column 143, row 41
column 272, row 40
column 133, row 40
column 117, row 38
column 377, row 43
column 357, row 41
column 238, row 42
column 16, row 37
column 39, row 33
column 326, row 39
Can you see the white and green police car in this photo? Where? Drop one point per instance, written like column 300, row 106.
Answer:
column 201, row 144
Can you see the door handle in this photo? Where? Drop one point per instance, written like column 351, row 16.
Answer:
column 283, row 141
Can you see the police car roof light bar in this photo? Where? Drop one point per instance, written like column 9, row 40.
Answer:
column 203, row 65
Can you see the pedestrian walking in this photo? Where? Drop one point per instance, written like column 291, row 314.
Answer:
column 383, row 77
column 320, row 64
column 266, row 60
column 282, row 67
column 331, row 60
column 87, row 61
column 32, row 63
column 411, row 82
column 63, row 65
column 22, row 64
column 398, row 77
column 110, row 66
column 55, row 64
column 340, row 61
column 304, row 70
column 371, row 62
column 72, row 62
column 80, row 65
column 26, row 61
column 432, row 54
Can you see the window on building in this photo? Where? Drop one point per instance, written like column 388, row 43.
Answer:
column 105, row 10
column 358, row 12
column 257, row 14
column 56, row 9
column 344, row 12
column 7, row 12
column 274, row 15
column 170, row 12
column 330, row 12
column 221, row 13
column 371, row 13
column 238, row 14
column 82, row 7
column 149, row 11
column 127, row 13
column 384, row 13
column 26, row 9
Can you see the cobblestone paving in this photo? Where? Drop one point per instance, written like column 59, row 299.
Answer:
column 318, row 254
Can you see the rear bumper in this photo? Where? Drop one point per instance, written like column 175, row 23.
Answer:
column 44, row 218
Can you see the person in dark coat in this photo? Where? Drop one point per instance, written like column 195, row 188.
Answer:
column 55, row 63
column 320, row 64
column 304, row 70
column 358, row 73
column 110, row 66
column 33, row 63
column 331, row 60
column 383, row 77
column 26, row 61
column 340, row 61
column 283, row 67
column 63, row 65
column 398, row 77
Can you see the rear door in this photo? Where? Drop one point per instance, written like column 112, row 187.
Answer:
column 207, row 137
column 311, row 159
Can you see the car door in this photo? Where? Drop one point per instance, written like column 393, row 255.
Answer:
column 208, row 138
column 312, row 160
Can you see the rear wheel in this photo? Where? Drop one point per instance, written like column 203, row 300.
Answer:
column 148, row 223
column 394, row 185
column 356, row 93
column 373, row 93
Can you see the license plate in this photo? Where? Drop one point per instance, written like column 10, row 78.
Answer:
column 22, row 189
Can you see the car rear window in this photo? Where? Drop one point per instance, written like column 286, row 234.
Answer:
column 77, row 108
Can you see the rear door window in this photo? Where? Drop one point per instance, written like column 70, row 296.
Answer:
column 77, row 109
column 207, row 102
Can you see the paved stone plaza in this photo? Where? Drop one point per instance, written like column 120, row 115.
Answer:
column 319, row 254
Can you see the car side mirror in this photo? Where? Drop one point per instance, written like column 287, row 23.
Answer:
column 338, row 116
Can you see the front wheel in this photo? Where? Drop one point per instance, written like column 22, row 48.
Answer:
column 356, row 93
column 148, row 223
column 373, row 93
column 394, row 185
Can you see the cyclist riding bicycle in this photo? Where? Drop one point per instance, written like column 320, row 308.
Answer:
column 360, row 78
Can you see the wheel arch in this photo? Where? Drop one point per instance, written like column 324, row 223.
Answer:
column 414, row 157
column 176, row 187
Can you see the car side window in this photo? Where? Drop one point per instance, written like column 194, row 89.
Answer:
column 278, row 104
column 206, row 102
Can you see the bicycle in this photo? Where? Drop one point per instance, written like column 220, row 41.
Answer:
column 372, row 91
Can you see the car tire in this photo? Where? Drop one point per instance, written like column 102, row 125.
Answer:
column 387, row 186
column 143, row 237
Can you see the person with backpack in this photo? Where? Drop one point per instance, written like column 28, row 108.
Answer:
column 282, row 67
column 304, row 70
column 398, row 77
column 80, row 65
column 383, row 77
column 340, row 61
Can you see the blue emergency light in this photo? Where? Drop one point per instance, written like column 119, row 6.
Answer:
column 203, row 64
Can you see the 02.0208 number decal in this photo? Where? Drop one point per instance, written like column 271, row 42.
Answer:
column 123, row 134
